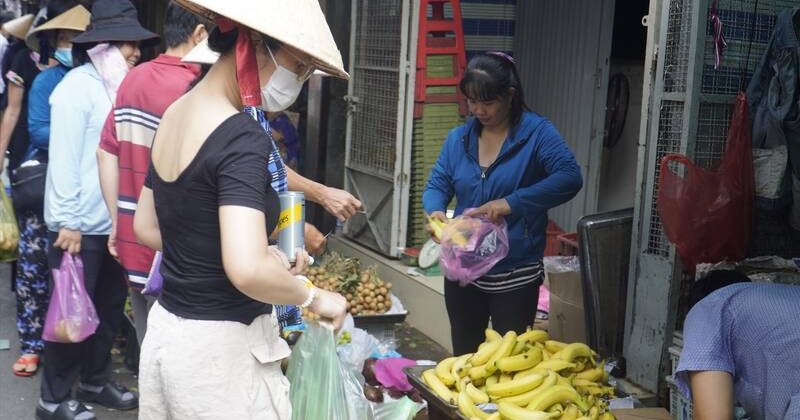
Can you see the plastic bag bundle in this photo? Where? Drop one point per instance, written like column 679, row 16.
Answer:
column 71, row 316
column 322, row 386
column 9, row 230
column 708, row 214
column 470, row 247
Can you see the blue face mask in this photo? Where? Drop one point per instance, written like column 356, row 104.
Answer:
column 64, row 56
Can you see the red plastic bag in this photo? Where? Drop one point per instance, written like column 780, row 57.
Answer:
column 708, row 214
column 71, row 316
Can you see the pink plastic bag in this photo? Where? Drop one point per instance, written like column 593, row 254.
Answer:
column 389, row 372
column 544, row 300
column 470, row 247
column 71, row 316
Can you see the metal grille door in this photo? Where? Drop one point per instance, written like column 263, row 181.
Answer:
column 378, row 130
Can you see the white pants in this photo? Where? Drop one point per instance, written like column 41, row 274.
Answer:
column 212, row 370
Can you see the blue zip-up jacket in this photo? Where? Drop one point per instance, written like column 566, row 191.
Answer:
column 534, row 171
column 39, row 105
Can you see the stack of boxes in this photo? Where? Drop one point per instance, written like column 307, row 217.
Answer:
column 430, row 132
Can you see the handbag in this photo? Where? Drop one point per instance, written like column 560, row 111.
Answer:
column 27, row 186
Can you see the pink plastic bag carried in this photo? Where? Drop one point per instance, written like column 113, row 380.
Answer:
column 470, row 247
column 71, row 316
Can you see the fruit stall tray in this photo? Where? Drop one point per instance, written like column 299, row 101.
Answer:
column 414, row 374
column 361, row 320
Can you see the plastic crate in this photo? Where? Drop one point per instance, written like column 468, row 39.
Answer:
column 679, row 406
column 674, row 357
column 569, row 243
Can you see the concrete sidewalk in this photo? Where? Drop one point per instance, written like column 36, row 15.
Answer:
column 19, row 396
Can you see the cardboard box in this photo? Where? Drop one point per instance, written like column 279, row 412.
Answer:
column 642, row 414
column 567, row 321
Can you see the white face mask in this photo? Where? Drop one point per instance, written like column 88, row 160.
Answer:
column 282, row 89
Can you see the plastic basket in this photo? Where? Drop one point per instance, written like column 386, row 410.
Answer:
column 679, row 406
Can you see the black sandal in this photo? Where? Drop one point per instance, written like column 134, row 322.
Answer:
column 111, row 396
column 67, row 410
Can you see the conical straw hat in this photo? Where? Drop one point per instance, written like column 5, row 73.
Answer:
column 75, row 19
column 297, row 23
column 19, row 27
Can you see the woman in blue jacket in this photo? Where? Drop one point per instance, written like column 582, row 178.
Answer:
column 508, row 163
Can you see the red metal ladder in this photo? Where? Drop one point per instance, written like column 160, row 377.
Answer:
column 439, row 36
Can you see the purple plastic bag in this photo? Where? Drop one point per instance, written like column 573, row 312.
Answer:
column 389, row 372
column 470, row 247
column 71, row 316
column 154, row 280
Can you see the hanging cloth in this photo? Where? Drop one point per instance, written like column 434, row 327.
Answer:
column 719, row 39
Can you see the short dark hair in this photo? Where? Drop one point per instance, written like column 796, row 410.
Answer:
column 179, row 24
column 221, row 43
column 491, row 76
column 714, row 280
column 7, row 15
column 57, row 7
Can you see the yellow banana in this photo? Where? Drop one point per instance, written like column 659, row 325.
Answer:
column 491, row 380
column 583, row 382
column 506, row 346
column 591, row 400
column 557, row 394
column 492, row 335
column 574, row 351
column 545, row 354
column 555, row 364
column 512, row 412
column 458, row 371
column 554, row 346
column 584, row 418
column 443, row 371
column 440, row 389
column 476, row 394
column 601, row 391
column 564, row 381
column 467, row 407
column 505, row 377
column 462, row 383
column 436, row 226
column 494, row 416
column 594, row 413
column 570, row 413
column 519, row 347
column 514, row 387
column 520, row 362
column 479, row 373
column 524, row 399
column 556, row 408
column 534, row 336
column 593, row 375
column 484, row 353
column 607, row 416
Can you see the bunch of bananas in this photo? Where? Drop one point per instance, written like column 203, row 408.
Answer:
column 455, row 236
column 528, row 377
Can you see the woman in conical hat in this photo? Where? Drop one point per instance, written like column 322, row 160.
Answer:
column 33, row 279
column 208, row 205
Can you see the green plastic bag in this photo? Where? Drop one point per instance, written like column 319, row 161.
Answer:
column 402, row 409
column 321, row 386
column 9, row 230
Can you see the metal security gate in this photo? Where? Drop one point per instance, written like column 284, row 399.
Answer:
column 377, row 162
column 562, row 50
column 688, row 112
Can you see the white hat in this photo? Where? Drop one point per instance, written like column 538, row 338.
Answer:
column 75, row 19
column 297, row 23
column 19, row 27
column 201, row 54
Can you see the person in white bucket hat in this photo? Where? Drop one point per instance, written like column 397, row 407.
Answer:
column 208, row 206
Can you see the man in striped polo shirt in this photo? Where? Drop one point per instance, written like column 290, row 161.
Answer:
column 124, row 153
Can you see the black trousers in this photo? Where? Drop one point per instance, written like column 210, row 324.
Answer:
column 90, row 360
column 470, row 309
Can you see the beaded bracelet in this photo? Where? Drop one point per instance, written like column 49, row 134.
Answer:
column 312, row 291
